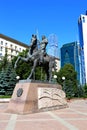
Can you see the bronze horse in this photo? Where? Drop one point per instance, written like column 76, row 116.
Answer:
column 48, row 62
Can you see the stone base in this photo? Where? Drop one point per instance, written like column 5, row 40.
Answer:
column 30, row 97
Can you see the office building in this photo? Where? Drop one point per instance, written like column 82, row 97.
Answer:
column 11, row 46
column 70, row 54
column 82, row 26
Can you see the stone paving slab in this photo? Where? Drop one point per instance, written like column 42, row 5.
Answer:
column 72, row 118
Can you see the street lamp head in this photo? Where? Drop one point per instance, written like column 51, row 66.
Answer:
column 18, row 77
column 63, row 78
column 55, row 76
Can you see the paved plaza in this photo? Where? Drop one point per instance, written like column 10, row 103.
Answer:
column 72, row 118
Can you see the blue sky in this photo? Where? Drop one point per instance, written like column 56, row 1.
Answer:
column 19, row 19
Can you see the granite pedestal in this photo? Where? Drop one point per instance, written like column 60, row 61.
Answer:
column 31, row 97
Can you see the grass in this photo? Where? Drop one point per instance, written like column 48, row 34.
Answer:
column 5, row 96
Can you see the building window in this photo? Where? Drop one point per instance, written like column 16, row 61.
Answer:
column 1, row 48
column 11, row 50
column 5, row 44
column 1, row 42
column 67, row 59
column 11, row 45
column 83, row 19
column 19, row 49
column 15, row 47
column 0, row 54
column 11, row 56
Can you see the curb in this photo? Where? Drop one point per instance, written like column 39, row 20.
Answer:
column 4, row 100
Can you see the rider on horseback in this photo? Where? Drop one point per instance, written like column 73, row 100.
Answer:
column 34, row 51
column 38, row 55
column 43, row 45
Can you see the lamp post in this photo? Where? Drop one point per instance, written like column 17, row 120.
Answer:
column 63, row 78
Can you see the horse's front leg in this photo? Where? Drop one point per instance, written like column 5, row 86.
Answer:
column 20, row 58
column 33, row 69
column 15, row 66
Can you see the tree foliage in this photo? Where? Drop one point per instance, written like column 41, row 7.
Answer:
column 4, row 61
column 85, row 91
column 7, row 80
column 70, row 82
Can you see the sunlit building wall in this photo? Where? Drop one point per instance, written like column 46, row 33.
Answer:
column 82, row 25
column 10, row 46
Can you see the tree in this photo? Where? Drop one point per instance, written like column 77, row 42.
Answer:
column 85, row 91
column 7, row 80
column 2, row 76
column 70, row 82
column 4, row 61
column 80, row 91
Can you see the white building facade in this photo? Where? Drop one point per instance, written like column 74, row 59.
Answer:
column 11, row 46
column 82, row 25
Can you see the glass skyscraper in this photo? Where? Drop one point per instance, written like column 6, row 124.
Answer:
column 82, row 26
column 53, row 45
column 70, row 54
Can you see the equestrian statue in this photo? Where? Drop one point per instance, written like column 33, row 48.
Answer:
column 39, row 57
